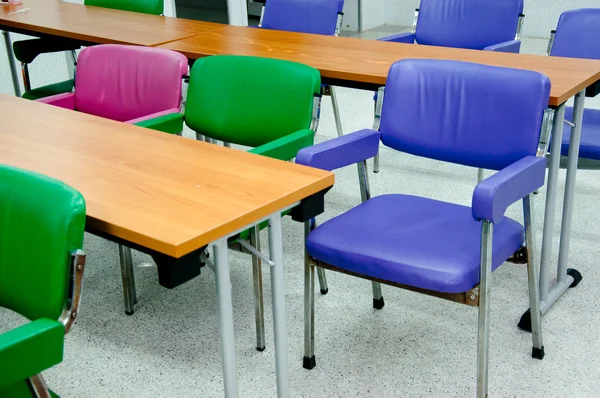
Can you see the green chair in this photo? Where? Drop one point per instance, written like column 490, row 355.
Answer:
column 41, row 270
column 26, row 51
column 267, row 104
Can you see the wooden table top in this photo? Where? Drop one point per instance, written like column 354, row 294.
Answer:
column 348, row 60
column 98, row 25
column 163, row 192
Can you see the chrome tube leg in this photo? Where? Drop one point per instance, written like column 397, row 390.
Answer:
column 480, row 175
column 483, row 330
column 336, row 112
column 322, row 281
column 549, row 211
column 11, row 63
column 309, row 361
column 259, row 309
column 127, row 274
column 376, row 163
column 225, row 308
column 278, row 295
column 37, row 386
column 25, row 76
column 378, row 302
column 532, row 276
column 567, row 215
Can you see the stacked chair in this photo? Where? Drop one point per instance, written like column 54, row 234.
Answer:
column 41, row 274
column 428, row 246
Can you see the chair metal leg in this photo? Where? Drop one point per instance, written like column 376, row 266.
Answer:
column 25, row 75
column 322, row 280
column 535, row 311
column 309, row 361
column 376, row 163
column 336, row 112
column 11, row 63
column 483, row 331
column 129, row 294
column 378, row 302
column 38, row 386
column 480, row 175
column 259, row 309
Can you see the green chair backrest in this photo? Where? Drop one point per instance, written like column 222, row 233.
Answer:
column 41, row 221
column 155, row 7
column 249, row 100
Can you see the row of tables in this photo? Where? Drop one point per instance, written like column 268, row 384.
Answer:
column 151, row 193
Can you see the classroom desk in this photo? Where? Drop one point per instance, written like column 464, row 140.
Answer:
column 360, row 63
column 168, row 196
column 95, row 25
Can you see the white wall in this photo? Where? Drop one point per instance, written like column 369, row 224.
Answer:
column 373, row 13
column 541, row 16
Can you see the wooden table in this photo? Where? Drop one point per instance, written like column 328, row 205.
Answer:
column 363, row 63
column 168, row 195
column 95, row 25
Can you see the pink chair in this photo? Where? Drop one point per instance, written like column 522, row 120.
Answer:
column 137, row 85
column 131, row 84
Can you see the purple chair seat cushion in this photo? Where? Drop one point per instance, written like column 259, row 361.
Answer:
column 412, row 241
column 589, row 147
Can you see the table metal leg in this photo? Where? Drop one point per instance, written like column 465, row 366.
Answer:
column 225, row 307
column 567, row 217
column 11, row 63
column 278, row 293
column 550, row 210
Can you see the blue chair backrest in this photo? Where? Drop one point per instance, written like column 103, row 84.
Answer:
column 578, row 34
column 473, row 24
column 470, row 114
column 306, row 16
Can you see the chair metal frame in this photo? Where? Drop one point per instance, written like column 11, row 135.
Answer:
column 475, row 297
column 36, row 384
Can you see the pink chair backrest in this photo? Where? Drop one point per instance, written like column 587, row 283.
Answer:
column 127, row 82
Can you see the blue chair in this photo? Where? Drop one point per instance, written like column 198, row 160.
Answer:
column 576, row 36
column 491, row 25
column 322, row 17
column 475, row 115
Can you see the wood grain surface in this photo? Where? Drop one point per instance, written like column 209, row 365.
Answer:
column 368, row 61
column 164, row 192
column 98, row 25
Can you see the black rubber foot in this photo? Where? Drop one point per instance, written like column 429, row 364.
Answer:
column 325, row 291
column 538, row 353
column 525, row 322
column 260, row 349
column 376, row 172
column 378, row 303
column 309, row 363
column 129, row 313
column 576, row 276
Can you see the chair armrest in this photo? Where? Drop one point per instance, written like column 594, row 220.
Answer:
column 30, row 349
column 512, row 46
column 341, row 151
column 27, row 50
column 170, row 121
column 287, row 147
column 65, row 100
column 495, row 194
column 408, row 38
